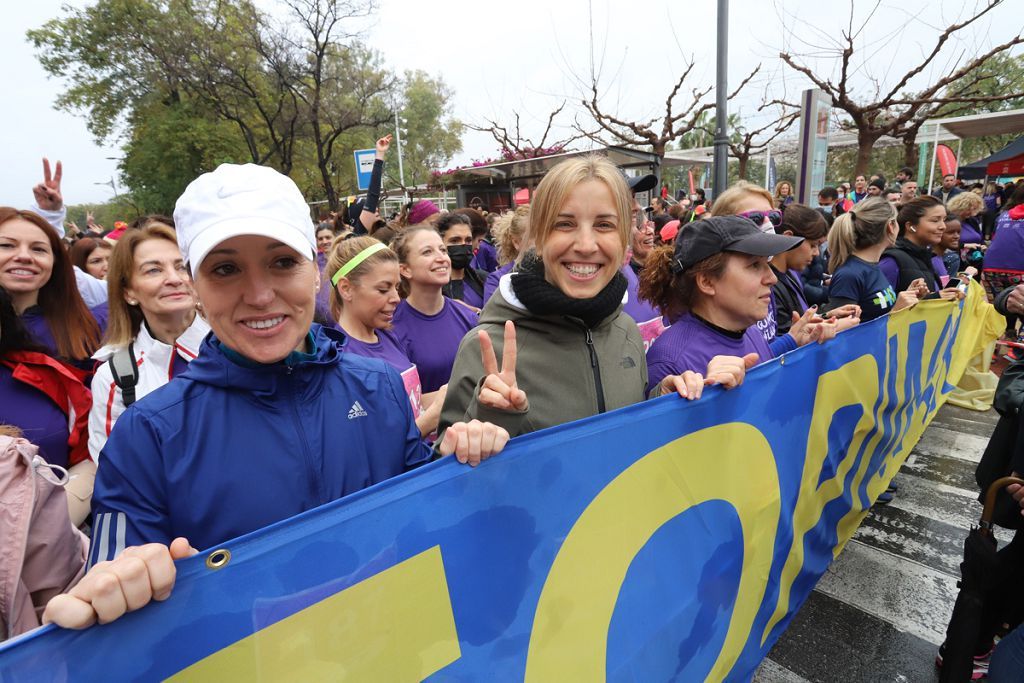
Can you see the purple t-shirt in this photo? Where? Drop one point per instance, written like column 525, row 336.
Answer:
column 970, row 232
column 648, row 318
column 1007, row 249
column 486, row 257
column 768, row 326
column 691, row 343
column 491, row 285
column 389, row 349
column 39, row 418
column 40, row 331
column 432, row 341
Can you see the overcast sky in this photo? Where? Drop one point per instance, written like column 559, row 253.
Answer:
column 527, row 56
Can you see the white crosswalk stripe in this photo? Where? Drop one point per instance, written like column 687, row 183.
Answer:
column 881, row 610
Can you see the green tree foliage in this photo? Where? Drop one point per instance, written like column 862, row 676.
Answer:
column 190, row 83
column 169, row 146
column 430, row 134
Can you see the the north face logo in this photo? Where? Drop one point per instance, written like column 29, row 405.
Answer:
column 356, row 411
column 628, row 362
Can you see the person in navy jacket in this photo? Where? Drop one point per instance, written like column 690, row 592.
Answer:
column 271, row 419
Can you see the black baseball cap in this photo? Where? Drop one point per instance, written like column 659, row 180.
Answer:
column 701, row 239
column 641, row 183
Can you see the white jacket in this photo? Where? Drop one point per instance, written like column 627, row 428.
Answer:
column 155, row 361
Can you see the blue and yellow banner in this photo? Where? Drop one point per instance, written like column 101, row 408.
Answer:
column 666, row 541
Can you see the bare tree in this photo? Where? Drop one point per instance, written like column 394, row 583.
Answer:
column 658, row 132
column 893, row 110
column 745, row 143
column 514, row 145
column 339, row 84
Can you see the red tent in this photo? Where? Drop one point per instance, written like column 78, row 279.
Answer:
column 521, row 196
column 1007, row 167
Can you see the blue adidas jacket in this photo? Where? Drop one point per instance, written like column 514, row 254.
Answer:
column 225, row 449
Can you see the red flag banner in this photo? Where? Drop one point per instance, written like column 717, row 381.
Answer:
column 947, row 160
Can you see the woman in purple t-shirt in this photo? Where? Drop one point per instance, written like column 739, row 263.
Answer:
column 364, row 295
column 715, row 284
column 429, row 324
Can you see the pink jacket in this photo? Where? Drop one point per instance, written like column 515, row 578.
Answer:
column 42, row 554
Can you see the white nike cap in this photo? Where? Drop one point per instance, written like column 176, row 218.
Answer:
column 237, row 200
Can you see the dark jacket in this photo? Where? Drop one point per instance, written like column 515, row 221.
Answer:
column 914, row 262
column 952, row 193
column 815, row 289
column 1005, row 451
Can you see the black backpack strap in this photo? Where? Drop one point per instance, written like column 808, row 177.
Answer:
column 126, row 373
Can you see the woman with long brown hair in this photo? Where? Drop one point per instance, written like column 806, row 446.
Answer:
column 36, row 271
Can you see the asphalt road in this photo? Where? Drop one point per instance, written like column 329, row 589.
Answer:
column 880, row 612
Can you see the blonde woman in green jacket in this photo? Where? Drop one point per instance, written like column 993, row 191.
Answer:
column 568, row 351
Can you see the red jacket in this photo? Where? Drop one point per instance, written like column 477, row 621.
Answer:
column 64, row 386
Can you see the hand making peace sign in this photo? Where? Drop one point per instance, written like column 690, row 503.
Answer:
column 500, row 390
column 47, row 193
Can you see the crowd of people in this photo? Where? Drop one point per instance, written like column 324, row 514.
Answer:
column 143, row 368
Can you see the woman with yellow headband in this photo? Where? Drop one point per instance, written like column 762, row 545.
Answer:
column 364, row 296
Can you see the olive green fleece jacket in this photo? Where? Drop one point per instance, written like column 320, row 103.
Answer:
column 555, row 366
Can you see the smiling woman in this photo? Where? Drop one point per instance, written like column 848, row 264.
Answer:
column 152, row 318
column 272, row 418
column 568, row 351
column 37, row 272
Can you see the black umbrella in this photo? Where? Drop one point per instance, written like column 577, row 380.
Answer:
column 977, row 585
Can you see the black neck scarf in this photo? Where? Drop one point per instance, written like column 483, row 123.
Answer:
column 543, row 298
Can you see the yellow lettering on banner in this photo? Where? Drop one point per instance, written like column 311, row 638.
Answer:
column 854, row 384
column 569, row 638
column 395, row 626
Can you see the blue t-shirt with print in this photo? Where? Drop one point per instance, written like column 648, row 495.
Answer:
column 863, row 283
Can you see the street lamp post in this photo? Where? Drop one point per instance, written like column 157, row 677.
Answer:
column 721, row 179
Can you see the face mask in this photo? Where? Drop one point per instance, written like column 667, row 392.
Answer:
column 461, row 255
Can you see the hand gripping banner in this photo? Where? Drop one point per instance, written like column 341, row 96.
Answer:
column 666, row 541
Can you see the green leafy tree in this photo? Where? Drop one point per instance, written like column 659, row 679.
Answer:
column 171, row 145
column 431, row 136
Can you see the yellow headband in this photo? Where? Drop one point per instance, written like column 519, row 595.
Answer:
column 356, row 260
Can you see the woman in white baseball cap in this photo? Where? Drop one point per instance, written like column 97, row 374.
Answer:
column 273, row 418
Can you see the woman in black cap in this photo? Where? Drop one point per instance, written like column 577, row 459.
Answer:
column 714, row 285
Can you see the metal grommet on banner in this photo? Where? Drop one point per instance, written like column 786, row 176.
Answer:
column 218, row 559
column 782, row 360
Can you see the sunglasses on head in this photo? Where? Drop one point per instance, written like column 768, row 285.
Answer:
column 774, row 217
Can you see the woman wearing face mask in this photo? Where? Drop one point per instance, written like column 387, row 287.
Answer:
column 429, row 324
column 788, row 293
column 921, row 224
column 466, row 283
column 92, row 255
column 855, row 244
column 37, row 272
column 364, row 297
column 153, row 316
column 567, row 350
column 272, row 417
